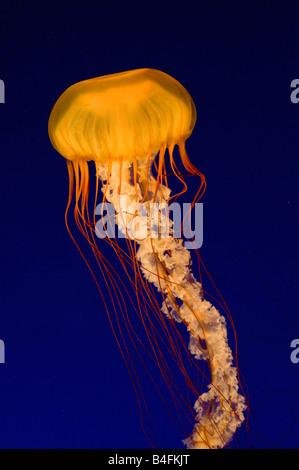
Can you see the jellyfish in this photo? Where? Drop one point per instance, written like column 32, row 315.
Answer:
column 133, row 126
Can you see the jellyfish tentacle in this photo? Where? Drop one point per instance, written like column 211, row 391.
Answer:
column 165, row 262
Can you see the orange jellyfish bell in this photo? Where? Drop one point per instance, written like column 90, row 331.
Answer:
column 123, row 122
column 121, row 116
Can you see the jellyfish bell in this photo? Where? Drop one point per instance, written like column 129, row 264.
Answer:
column 121, row 116
column 125, row 123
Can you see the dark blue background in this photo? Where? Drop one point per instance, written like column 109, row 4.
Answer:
column 64, row 383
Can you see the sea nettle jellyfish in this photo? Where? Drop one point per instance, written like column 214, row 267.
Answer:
column 130, row 125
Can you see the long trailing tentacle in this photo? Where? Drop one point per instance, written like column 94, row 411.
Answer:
column 165, row 263
column 153, row 260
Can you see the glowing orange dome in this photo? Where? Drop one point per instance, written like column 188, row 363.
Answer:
column 125, row 115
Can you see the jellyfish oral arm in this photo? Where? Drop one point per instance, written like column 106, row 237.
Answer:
column 165, row 262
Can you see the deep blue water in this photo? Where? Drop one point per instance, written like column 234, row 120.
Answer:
column 64, row 383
